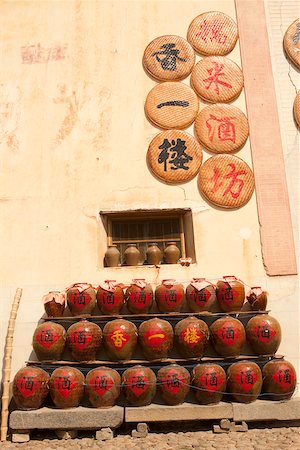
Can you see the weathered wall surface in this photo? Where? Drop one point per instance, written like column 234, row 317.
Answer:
column 73, row 141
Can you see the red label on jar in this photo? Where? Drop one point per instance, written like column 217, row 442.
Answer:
column 285, row 377
column 228, row 333
column 155, row 336
column 172, row 297
column 138, row 384
column 247, row 379
column 46, row 338
column 228, row 295
column 79, row 299
column 27, row 385
column 101, row 384
column 109, row 299
column 173, row 381
column 80, row 338
column 264, row 332
column 211, row 381
column 191, row 336
column 118, row 338
column 64, row 385
column 200, row 297
column 140, row 299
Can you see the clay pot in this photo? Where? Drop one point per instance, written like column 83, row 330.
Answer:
column 210, row 383
column 156, row 338
column 173, row 384
column 191, row 337
column 66, row 387
column 110, row 298
column 139, row 297
column 132, row 255
column 153, row 254
column 228, row 336
column 200, row 295
column 112, row 256
column 244, row 381
column 81, row 299
column 84, row 340
column 171, row 253
column 263, row 334
column 139, row 385
column 103, row 387
column 120, row 339
column 279, row 380
column 49, row 341
column 230, row 294
column 169, row 296
column 30, row 388
column 257, row 298
column 54, row 303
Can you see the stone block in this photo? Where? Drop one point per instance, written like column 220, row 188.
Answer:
column 186, row 411
column 141, row 431
column 105, row 434
column 20, row 436
column 63, row 434
column 267, row 410
column 80, row 418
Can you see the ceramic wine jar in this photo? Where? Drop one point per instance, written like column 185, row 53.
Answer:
column 30, row 387
column 153, row 254
column 230, row 294
column 132, row 255
column 257, row 298
column 49, row 341
column 102, row 387
column 228, row 336
column 171, row 253
column 191, row 337
column 263, row 334
column 169, row 296
column 66, row 387
column 156, row 338
column 139, row 385
column 210, row 383
column 54, row 303
column 81, row 299
column 110, row 298
column 120, row 339
column 200, row 295
column 173, row 383
column 244, row 381
column 112, row 256
column 279, row 380
column 139, row 297
column 84, row 340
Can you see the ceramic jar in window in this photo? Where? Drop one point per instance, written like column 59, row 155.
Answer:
column 132, row 255
column 112, row 256
column 153, row 254
column 171, row 253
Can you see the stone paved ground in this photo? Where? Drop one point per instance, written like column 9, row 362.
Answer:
column 262, row 437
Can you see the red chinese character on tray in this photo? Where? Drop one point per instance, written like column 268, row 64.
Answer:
column 214, row 78
column 235, row 182
column 224, row 128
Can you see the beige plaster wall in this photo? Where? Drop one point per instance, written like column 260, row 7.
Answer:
column 73, row 141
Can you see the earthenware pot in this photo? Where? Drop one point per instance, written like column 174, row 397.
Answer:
column 112, row 256
column 173, row 383
column 263, row 334
column 66, row 387
column 210, row 383
column 54, row 303
column 156, row 338
column 139, row 297
column 228, row 336
column 200, row 295
column 191, row 337
column 110, row 298
column 49, row 341
column 132, row 255
column 244, row 381
column 230, row 294
column 120, row 339
column 81, row 299
column 84, row 340
column 257, row 298
column 279, row 380
column 171, row 253
column 153, row 254
column 169, row 296
column 102, row 387
column 139, row 385
column 30, row 387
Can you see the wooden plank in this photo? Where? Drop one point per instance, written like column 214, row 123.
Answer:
column 276, row 234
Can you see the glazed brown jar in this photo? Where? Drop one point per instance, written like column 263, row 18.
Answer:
column 279, row 380
column 257, row 298
column 244, row 381
column 153, row 254
column 66, row 387
column 84, row 340
column 139, row 385
column 263, row 334
column 171, row 253
column 112, row 256
column 169, row 296
column 210, row 383
column 230, row 294
column 110, row 298
column 139, row 296
column 156, row 338
column 228, row 336
column 191, row 337
column 81, row 299
column 200, row 295
column 173, row 383
column 49, row 341
column 103, row 387
column 30, row 387
column 54, row 303
column 120, row 339
column 132, row 255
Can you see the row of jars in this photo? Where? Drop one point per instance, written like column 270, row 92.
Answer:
column 156, row 338
column 201, row 295
column 102, row 386
column 132, row 255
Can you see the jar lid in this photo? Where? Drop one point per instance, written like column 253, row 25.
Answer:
column 172, row 105
column 169, row 58
column 213, row 33
column 226, row 181
column 221, row 128
column 291, row 42
column 217, row 79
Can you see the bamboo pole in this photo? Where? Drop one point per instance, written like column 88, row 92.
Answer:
column 7, row 363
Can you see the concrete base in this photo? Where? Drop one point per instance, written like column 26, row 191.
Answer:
column 20, row 436
column 267, row 410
